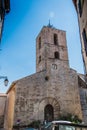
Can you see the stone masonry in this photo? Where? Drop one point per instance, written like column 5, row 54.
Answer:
column 51, row 92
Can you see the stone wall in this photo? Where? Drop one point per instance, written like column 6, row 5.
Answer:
column 34, row 92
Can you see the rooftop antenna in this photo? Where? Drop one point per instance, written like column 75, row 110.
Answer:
column 49, row 25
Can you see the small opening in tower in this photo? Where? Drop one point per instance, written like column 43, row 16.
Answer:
column 47, row 78
column 39, row 42
column 56, row 55
column 55, row 39
column 54, row 66
column 39, row 59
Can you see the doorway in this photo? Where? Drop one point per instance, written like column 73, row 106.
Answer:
column 48, row 113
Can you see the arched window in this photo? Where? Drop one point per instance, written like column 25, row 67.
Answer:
column 48, row 112
column 56, row 55
column 39, row 42
column 55, row 39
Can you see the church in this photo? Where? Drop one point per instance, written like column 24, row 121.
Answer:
column 54, row 90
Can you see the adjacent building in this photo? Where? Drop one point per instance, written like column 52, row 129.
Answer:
column 4, row 9
column 55, row 89
column 81, row 8
column 3, row 98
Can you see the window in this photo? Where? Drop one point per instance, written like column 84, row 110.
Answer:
column 39, row 59
column 54, row 66
column 39, row 42
column 56, row 55
column 1, row 9
column 80, row 9
column 85, row 40
column 55, row 39
column 80, row 6
column 7, row 5
column 67, row 127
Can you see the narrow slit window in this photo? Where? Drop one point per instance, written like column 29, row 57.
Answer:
column 39, row 42
column 39, row 59
column 55, row 39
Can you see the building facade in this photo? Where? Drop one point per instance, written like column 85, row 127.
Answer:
column 81, row 8
column 4, row 9
column 55, row 89
column 3, row 98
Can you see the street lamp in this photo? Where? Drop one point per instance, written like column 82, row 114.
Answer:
column 5, row 80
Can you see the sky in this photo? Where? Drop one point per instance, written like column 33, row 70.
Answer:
column 21, row 27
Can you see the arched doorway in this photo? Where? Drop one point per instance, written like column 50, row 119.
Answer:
column 48, row 113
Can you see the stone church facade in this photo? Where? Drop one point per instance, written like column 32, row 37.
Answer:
column 53, row 91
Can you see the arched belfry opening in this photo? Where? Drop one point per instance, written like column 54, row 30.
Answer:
column 56, row 55
column 49, row 112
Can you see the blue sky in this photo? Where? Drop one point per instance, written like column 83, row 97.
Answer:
column 22, row 25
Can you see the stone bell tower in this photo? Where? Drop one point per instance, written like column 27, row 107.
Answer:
column 57, row 81
column 51, row 49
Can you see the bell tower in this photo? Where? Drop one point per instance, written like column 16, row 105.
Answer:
column 51, row 49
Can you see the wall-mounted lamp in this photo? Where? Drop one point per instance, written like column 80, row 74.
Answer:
column 5, row 80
